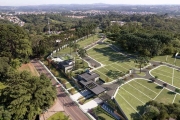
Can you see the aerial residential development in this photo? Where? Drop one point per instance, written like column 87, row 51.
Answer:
column 102, row 61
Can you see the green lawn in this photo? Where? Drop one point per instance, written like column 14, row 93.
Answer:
column 167, row 74
column 106, row 117
column 82, row 43
column 177, row 100
column 165, row 96
column 57, row 116
column 88, row 41
column 137, row 92
column 113, row 61
column 168, row 59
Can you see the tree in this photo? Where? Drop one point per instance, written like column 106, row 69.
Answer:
column 151, row 112
column 82, row 52
column 4, row 114
column 141, row 61
column 70, row 46
column 14, row 42
column 75, row 47
column 120, row 81
column 25, row 96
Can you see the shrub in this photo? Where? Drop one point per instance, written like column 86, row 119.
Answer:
column 107, row 79
column 81, row 101
column 72, row 91
column 165, row 84
column 131, row 75
column 63, row 81
column 125, row 78
column 177, row 90
column 149, row 67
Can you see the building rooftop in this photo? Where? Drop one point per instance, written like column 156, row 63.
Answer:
column 66, row 63
column 89, row 76
column 93, row 86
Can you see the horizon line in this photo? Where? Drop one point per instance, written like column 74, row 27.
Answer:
column 83, row 4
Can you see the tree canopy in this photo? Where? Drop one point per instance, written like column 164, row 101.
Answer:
column 159, row 111
column 25, row 96
column 14, row 42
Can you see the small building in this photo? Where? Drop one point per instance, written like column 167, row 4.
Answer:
column 87, row 76
column 88, row 80
column 66, row 65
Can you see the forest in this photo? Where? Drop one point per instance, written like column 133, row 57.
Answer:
column 148, row 35
column 22, row 96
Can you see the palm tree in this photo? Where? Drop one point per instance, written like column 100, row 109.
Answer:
column 141, row 61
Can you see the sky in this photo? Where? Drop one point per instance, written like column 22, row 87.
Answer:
column 42, row 2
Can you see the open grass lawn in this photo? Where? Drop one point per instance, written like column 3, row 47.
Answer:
column 177, row 99
column 2, row 86
column 82, row 43
column 88, row 41
column 57, row 116
column 167, row 74
column 115, row 63
column 137, row 92
column 168, row 59
column 106, row 117
column 165, row 96
column 30, row 68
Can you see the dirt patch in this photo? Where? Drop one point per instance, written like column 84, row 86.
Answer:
column 30, row 68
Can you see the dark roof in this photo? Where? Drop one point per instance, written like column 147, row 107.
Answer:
column 89, row 76
column 66, row 63
column 93, row 86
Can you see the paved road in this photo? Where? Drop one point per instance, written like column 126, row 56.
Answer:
column 91, row 61
column 71, row 109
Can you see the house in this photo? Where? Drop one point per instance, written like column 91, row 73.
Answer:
column 87, row 76
column 66, row 65
column 88, row 80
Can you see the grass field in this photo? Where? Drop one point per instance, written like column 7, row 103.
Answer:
column 82, row 44
column 177, row 99
column 57, row 116
column 167, row 74
column 165, row 96
column 87, row 41
column 115, row 64
column 30, row 68
column 136, row 93
column 168, row 59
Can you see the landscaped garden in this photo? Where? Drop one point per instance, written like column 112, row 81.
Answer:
column 136, row 93
column 115, row 64
column 168, row 75
column 99, row 113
